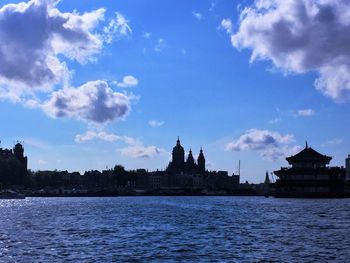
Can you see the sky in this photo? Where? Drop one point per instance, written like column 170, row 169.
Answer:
column 91, row 84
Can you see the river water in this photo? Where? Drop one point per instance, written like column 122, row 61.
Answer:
column 174, row 229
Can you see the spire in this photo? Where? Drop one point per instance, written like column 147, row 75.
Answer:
column 190, row 153
column 306, row 146
column 201, row 161
column 267, row 178
column 201, row 153
column 178, row 140
column 190, row 161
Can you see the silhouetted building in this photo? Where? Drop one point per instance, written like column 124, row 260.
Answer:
column 182, row 177
column 190, row 163
column 13, row 166
column 18, row 152
column 347, row 167
column 178, row 161
column 192, row 176
column 201, row 161
column 178, row 164
column 267, row 184
column 310, row 176
column 267, row 178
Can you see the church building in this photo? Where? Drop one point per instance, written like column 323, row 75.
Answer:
column 178, row 165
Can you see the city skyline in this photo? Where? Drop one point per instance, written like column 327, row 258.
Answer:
column 92, row 85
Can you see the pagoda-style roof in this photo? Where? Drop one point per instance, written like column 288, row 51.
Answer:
column 309, row 155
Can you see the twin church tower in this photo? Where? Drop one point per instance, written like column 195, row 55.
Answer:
column 178, row 164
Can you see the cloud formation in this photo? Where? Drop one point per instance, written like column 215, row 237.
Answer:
column 197, row 15
column 226, row 24
column 36, row 37
column 146, row 34
column 128, row 82
column 275, row 120
column 299, row 36
column 154, row 123
column 305, row 112
column 161, row 44
column 335, row 141
column 93, row 102
column 105, row 136
column 270, row 145
column 140, row 151
column 91, row 135
column 134, row 149
column 116, row 27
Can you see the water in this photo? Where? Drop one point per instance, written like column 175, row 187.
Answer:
column 174, row 229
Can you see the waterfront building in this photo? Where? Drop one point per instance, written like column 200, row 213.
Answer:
column 178, row 164
column 310, row 176
column 191, row 175
column 13, row 166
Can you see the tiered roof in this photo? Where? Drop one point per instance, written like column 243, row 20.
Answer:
column 309, row 155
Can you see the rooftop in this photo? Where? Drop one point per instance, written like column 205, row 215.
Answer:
column 309, row 155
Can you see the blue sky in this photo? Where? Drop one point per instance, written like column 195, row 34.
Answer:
column 189, row 73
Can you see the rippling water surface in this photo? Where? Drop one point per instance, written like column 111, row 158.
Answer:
column 173, row 229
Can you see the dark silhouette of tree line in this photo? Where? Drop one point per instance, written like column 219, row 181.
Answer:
column 117, row 177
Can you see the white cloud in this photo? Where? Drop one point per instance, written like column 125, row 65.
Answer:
column 35, row 40
column 212, row 6
column 147, row 34
column 270, row 145
column 226, row 24
column 94, row 102
column 275, row 120
column 91, row 135
column 197, row 15
column 106, row 136
column 28, row 54
column 335, row 141
column 127, row 82
column 116, row 27
column 300, row 36
column 140, row 151
column 161, row 44
column 305, row 112
column 154, row 123
column 134, row 148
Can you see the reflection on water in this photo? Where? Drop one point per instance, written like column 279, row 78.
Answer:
column 163, row 229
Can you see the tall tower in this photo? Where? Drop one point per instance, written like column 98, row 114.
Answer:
column 201, row 161
column 267, row 178
column 190, row 164
column 18, row 151
column 19, row 177
column 347, row 167
column 178, row 156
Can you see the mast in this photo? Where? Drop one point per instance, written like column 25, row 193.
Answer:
column 239, row 168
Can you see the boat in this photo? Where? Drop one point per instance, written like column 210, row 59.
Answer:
column 10, row 194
